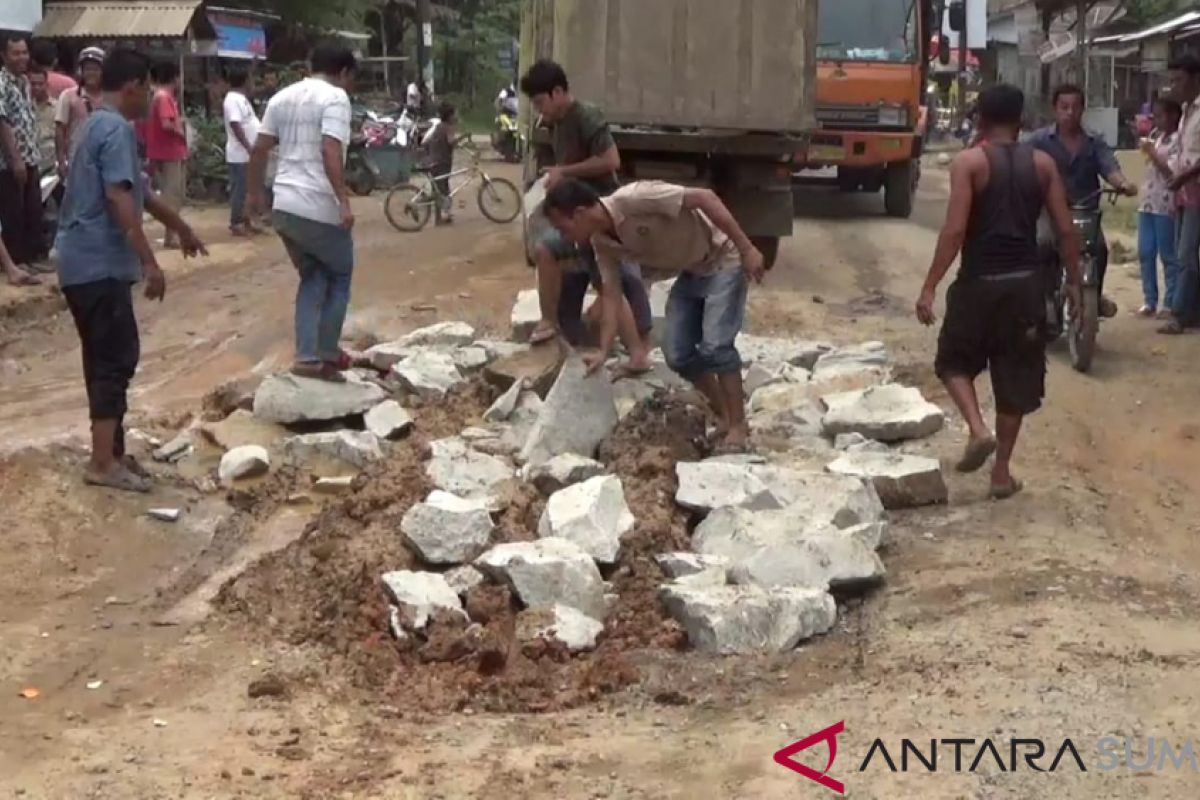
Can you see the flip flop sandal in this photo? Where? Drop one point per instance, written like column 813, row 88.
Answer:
column 319, row 372
column 121, row 479
column 135, row 467
column 343, row 362
column 542, row 335
column 1005, row 492
column 1172, row 328
column 727, row 449
column 976, row 454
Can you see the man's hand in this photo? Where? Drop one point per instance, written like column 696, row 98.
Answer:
column 594, row 360
column 156, row 282
column 925, row 307
column 347, row 214
column 554, row 176
column 1129, row 190
column 256, row 202
column 754, row 264
column 1074, row 299
column 190, row 243
column 20, row 173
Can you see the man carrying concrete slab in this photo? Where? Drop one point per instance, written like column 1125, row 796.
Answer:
column 674, row 229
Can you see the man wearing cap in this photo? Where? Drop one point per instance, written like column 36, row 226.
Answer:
column 76, row 105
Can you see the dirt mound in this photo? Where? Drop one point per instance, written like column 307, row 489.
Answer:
column 325, row 589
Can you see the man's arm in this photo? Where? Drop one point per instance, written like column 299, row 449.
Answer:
column 707, row 202
column 611, row 300
column 257, row 172
column 331, row 157
column 121, row 205
column 62, row 116
column 239, row 133
column 954, row 230
column 12, row 154
column 1110, row 168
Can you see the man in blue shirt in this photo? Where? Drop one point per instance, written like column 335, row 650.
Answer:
column 1083, row 159
column 103, row 251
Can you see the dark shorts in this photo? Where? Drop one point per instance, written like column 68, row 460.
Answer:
column 108, row 339
column 997, row 324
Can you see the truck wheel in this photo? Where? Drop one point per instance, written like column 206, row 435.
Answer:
column 768, row 246
column 848, row 180
column 899, row 189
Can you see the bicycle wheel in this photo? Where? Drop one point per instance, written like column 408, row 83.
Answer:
column 408, row 208
column 499, row 200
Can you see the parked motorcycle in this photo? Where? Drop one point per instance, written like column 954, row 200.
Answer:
column 506, row 138
column 1082, row 329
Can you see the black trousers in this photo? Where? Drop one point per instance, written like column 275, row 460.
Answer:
column 21, row 215
column 108, row 338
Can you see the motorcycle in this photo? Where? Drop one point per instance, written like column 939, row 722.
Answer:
column 1081, row 329
column 507, row 139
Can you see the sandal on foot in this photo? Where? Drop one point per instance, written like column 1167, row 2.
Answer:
column 1172, row 328
column 1146, row 312
column 134, row 466
column 1005, row 492
column 731, row 449
column 542, row 334
column 976, row 454
column 318, row 371
column 23, row 278
column 120, row 478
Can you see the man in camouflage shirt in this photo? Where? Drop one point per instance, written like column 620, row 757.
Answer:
column 20, row 192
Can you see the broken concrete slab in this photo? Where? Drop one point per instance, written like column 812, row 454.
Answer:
column 465, row 578
column 522, row 421
column 338, row 485
column 388, row 420
column 469, row 359
column 578, row 414
column 707, row 485
column 526, row 313
column 537, row 366
column 731, row 620
column 459, row 469
column 681, row 565
column 242, row 428
column 851, row 358
column 247, row 461
column 439, row 334
column 857, row 443
column 165, row 514
column 419, row 595
column 445, row 529
column 428, row 374
column 821, row 497
column 356, row 448
column 505, row 404
column 759, row 375
column 562, row 471
column 175, row 449
column 498, row 349
column 784, row 396
column 560, row 623
column 592, row 514
column 772, row 352
column 821, row 559
column 288, row 398
column 547, row 572
column 902, row 481
column 888, row 413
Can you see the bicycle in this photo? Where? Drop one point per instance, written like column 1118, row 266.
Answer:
column 408, row 206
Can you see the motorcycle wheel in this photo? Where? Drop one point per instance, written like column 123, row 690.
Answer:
column 1054, row 317
column 1082, row 334
column 359, row 178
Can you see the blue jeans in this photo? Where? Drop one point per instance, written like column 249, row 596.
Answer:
column 704, row 316
column 1156, row 239
column 324, row 256
column 1187, row 291
column 237, row 194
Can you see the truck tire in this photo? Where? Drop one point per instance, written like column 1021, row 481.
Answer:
column 768, row 246
column 848, row 180
column 899, row 189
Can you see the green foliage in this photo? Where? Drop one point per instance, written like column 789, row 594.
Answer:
column 1149, row 11
column 469, row 45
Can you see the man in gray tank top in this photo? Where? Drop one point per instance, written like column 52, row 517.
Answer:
column 995, row 309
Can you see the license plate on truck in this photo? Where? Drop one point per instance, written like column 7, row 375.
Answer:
column 825, row 152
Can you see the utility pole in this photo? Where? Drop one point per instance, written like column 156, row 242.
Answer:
column 962, row 63
column 425, row 47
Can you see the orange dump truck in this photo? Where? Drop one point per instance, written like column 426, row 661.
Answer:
column 872, row 63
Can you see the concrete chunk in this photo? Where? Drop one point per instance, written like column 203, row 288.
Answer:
column 889, row 413
column 428, row 373
column 548, row 572
column 388, row 420
column 729, row 620
column 505, row 404
column 288, row 398
column 681, row 565
column 242, row 428
column 445, row 529
column 465, row 578
column 560, row 623
column 248, row 461
column 356, row 448
column 592, row 514
column 439, row 334
column 459, row 469
column 706, row 485
column 578, row 414
column 419, row 594
column 902, row 481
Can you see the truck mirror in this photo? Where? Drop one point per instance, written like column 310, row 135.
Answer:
column 958, row 16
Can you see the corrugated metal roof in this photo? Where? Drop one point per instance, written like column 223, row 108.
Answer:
column 117, row 20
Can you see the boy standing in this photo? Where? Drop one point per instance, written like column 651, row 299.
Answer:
column 310, row 122
column 675, row 229
column 241, row 129
column 166, row 142
column 439, row 142
column 103, row 251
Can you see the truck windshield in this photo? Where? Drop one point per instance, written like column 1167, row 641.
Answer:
column 867, row 30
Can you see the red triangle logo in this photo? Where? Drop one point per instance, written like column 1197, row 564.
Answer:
column 784, row 757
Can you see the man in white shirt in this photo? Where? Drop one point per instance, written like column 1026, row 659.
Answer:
column 413, row 98
column 241, row 129
column 309, row 121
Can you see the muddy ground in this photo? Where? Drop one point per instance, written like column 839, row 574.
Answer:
column 1069, row 612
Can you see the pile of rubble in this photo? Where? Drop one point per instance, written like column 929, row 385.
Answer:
column 775, row 536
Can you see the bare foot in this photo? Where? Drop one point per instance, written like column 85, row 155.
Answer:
column 636, row 365
column 19, row 277
column 735, row 440
column 544, row 332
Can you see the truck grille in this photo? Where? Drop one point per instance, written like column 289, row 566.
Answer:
column 835, row 115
